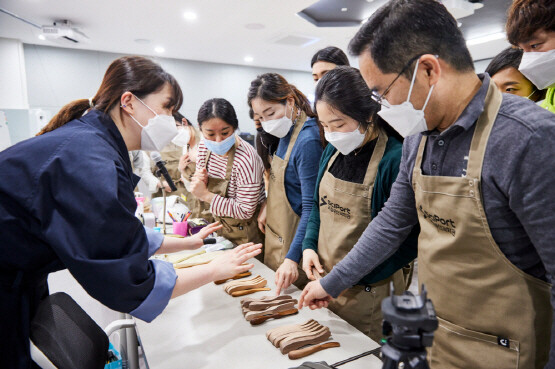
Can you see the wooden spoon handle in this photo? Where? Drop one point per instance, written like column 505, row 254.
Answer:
column 282, row 314
column 300, row 353
column 247, row 292
column 238, row 276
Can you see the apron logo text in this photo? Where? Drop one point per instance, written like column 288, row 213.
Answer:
column 335, row 208
column 445, row 225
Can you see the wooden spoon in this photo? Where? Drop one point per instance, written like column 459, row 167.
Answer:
column 300, row 353
column 248, row 292
column 238, row 276
column 282, row 314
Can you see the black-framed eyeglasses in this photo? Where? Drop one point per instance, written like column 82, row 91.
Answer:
column 379, row 98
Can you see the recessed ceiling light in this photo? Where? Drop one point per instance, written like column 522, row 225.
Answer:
column 369, row 1
column 41, row 37
column 249, row 59
column 159, row 49
column 344, row 9
column 488, row 38
column 190, row 16
column 142, row 41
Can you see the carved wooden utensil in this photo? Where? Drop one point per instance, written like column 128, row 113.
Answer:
column 262, row 305
column 270, row 311
column 257, row 282
column 301, row 333
column 238, row 276
column 298, row 340
column 249, row 300
column 248, row 292
column 273, row 333
column 282, row 314
column 300, row 353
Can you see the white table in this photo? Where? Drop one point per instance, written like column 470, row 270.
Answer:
column 206, row 329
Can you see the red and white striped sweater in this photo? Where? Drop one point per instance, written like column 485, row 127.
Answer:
column 246, row 185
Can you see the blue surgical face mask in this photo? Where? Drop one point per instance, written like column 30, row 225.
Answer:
column 221, row 147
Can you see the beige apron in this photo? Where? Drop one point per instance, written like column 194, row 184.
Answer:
column 491, row 314
column 238, row 231
column 171, row 156
column 345, row 212
column 281, row 219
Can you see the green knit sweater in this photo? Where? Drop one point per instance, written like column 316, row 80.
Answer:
column 388, row 169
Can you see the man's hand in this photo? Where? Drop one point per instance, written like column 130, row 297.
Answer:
column 314, row 296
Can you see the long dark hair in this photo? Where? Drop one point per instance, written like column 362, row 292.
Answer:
column 344, row 89
column 330, row 54
column 135, row 74
column 273, row 87
column 218, row 108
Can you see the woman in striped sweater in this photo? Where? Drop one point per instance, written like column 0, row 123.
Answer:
column 228, row 181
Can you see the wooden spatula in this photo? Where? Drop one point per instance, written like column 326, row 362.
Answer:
column 279, row 315
column 248, row 292
column 238, row 276
column 300, row 353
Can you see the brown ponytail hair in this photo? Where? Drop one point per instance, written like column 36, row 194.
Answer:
column 274, row 88
column 136, row 74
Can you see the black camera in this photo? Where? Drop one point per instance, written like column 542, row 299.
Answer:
column 409, row 323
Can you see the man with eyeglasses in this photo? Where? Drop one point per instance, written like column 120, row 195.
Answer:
column 477, row 173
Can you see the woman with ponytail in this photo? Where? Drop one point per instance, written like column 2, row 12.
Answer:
column 285, row 113
column 66, row 201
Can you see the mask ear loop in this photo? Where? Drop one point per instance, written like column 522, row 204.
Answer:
column 413, row 79
column 148, row 107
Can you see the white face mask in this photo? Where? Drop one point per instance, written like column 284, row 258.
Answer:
column 278, row 127
column 404, row 118
column 183, row 137
column 345, row 142
column 159, row 131
column 539, row 68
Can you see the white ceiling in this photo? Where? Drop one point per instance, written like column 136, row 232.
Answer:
column 219, row 34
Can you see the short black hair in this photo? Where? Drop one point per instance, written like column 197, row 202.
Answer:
column 344, row 89
column 330, row 54
column 403, row 29
column 218, row 108
column 510, row 57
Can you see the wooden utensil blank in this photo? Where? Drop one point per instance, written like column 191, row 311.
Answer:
column 300, row 353
column 272, row 333
column 299, row 340
column 251, row 315
column 261, row 306
column 247, row 292
column 249, row 300
column 238, row 276
column 282, row 314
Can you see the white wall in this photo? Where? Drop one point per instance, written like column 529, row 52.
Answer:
column 13, row 92
column 57, row 76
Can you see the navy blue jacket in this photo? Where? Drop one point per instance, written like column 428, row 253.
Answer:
column 66, row 201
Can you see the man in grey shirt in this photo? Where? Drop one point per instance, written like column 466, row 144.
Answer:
column 518, row 168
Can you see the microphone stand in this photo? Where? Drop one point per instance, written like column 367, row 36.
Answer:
column 164, row 201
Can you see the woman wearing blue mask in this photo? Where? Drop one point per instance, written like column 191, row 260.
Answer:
column 228, row 181
column 66, row 201
column 285, row 113
column 357, row 170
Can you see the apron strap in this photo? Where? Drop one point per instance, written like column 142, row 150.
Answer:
column 480, row 138
column 482, row 131
column 376, row 158
column 418, row 161
column 298, row 127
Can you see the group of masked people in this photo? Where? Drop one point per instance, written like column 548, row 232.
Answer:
column 413, row 154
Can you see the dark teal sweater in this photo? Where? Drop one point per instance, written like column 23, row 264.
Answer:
column 388, row 169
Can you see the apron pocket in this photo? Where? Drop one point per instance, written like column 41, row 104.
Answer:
column 270, row 231
column 458, row 347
